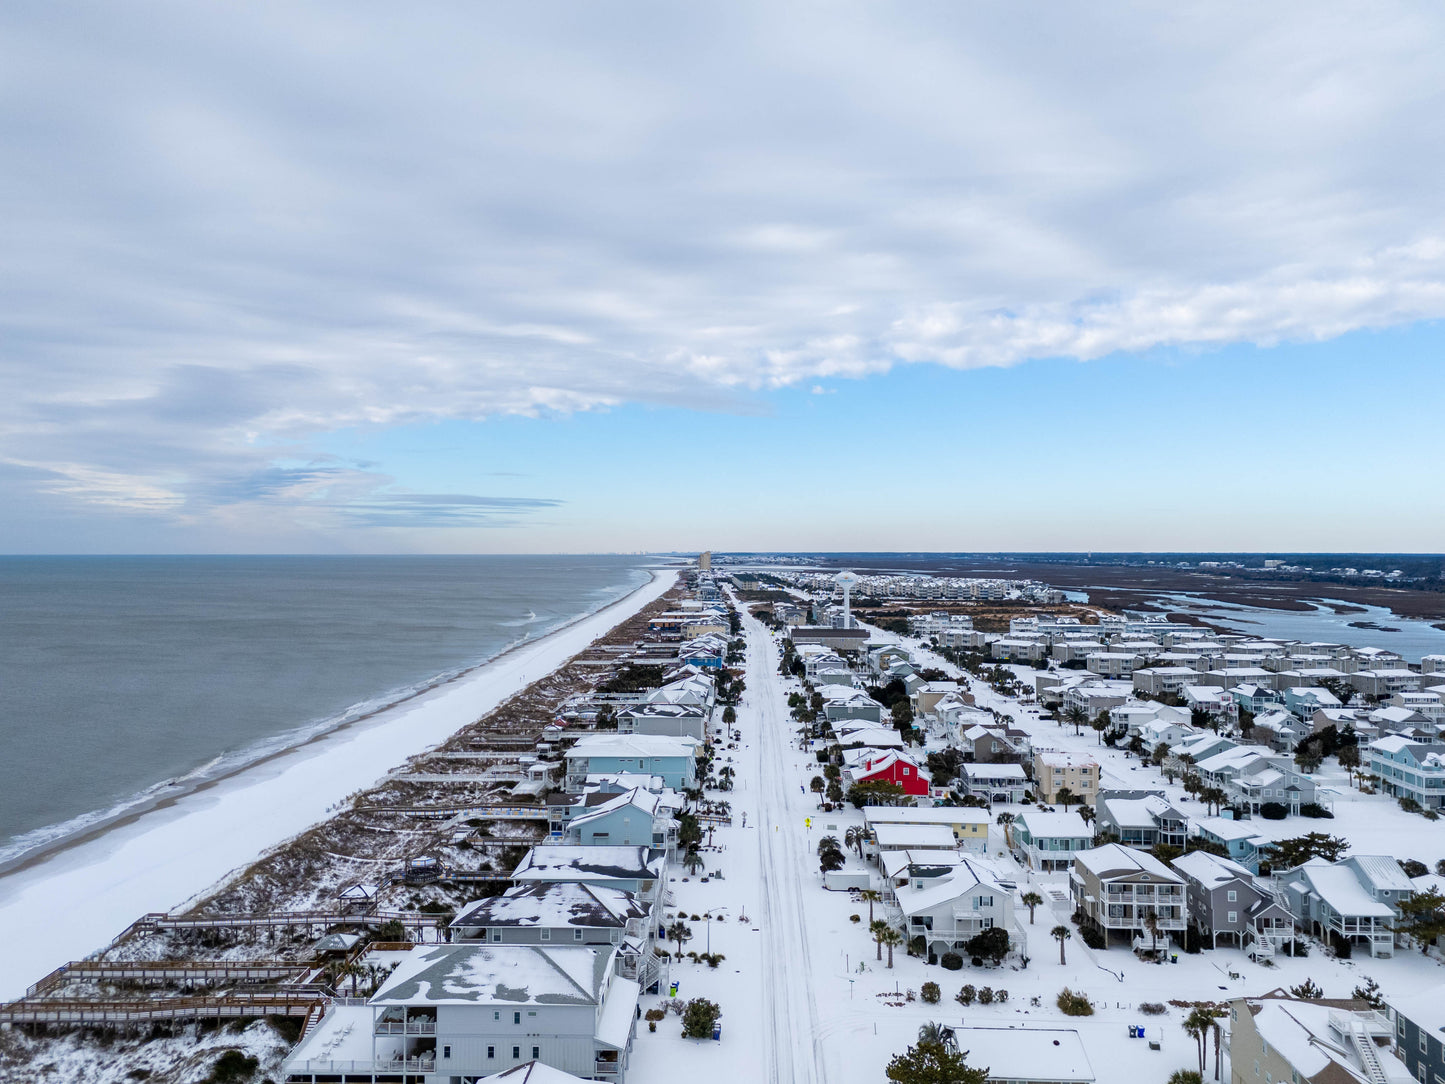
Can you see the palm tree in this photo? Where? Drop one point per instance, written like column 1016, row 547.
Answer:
column 817, row 786
column 931, row 1033
column 680, row 934
column 1061, row 934
column 850, row 838
column 879, row 929
column 692, row 861
column 1198, row 1024
column 1031, row 900
column 1078, row 717
column 1100, row 724
column 892, row 938
column 872, row 896
column 1086, row 811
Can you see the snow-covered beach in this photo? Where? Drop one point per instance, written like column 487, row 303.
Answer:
column 76, row 899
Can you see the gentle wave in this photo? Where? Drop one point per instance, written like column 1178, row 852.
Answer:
column 18, row 848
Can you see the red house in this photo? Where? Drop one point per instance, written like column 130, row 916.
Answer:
column 893, row 767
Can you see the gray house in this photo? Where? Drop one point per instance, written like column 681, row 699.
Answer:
column 452, row 1012
column 565, row 914
column 1356, row 900
column 1224, row 900
column 641, row 871
column 1420, row 1033
column 1140, row 818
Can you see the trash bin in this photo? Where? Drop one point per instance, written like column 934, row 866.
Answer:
column 1133, row 1032
column 673, row 991
column 717, row 1032
column 1174, row 957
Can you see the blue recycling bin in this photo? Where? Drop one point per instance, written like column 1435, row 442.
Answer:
column 717, row 1032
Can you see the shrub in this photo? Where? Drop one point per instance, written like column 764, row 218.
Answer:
column 1000, row 996
column 917, row 945
column 855, row 918
column 951, row 961
column 1093, row 938
column 652, row 1025
column 1152, row 1008
column 1409, row 805
column 1314, row 809
column 1273, row 811
column 1413, row 867
column 233, row 1066
column 699, row 1017
column 654, row 1015
column 1072, row 1004
column 966, row 995
column 985, row 995
column 930, row 993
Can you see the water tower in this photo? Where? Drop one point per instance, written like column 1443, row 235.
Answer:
column 847, row 581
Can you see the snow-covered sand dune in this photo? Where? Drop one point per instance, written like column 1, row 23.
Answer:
column 76, row 900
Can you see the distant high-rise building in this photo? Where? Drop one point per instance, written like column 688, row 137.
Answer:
column 704, row 561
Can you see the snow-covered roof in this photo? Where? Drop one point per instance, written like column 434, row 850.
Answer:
column 1028, row 1054
column 553, row 904
column 993, row 771
column 490, row 974
column 1115, row 859
column 619, row 1009
column 1383, row 872
column 1210, row 870
column 1226, row 829
column 896, row 862
column 1136, row 812
column 633, row 745
column 917, row 896
column 912, row 814
column 1299, row 1031
column 643, row 800
column 1338, row 886
column 576, row 863
column 1043, row 825
column 914, row 836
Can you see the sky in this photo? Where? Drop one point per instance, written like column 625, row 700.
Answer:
column 304, row 277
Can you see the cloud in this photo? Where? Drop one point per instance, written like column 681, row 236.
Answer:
column 230, row 230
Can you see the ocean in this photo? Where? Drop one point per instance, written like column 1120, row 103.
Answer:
column 122, row 678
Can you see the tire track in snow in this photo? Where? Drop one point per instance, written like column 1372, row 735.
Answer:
column 792, row 1010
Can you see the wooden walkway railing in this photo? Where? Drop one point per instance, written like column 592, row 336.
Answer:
column 226, row 1006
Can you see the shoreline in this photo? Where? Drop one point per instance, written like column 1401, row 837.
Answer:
column 90, row 887
column 141, row 807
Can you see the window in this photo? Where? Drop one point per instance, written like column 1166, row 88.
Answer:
column 1233, row 917
column 446, row 1051
column 491, row 1051
column 496, row 935
column 546, row 934
column 1424, row 1043
column 1231, row 895
column 516, row 1018
column 577, row 934
column 516, row 1053
column 536, row 1052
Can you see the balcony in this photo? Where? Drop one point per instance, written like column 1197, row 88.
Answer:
column 406, row 1027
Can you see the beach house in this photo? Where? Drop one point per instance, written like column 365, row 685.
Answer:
column 462, row 1011
column 672, row 758
column 1116, row 889
column 1047, row 842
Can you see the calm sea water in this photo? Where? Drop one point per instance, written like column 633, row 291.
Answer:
column 121, row 674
